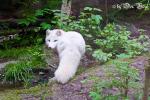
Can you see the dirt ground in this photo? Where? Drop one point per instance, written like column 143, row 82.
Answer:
column 79, row 87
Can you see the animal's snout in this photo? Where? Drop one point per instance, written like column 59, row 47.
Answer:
column 51, row 46
column 47, row 46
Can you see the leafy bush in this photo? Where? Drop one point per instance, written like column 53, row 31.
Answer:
column 30, row 29
column 116, row 41
column 88, row 23
column 30, row 25
column 108, row 42
column 33, row 19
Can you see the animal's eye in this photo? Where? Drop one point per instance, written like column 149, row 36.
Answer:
column 49, row 40
column 55, row 40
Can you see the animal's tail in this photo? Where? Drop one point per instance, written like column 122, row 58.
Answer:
column 67, row 68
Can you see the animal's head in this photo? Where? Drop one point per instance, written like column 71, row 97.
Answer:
column 52, row 37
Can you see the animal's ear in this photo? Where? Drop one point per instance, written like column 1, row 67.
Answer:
column 48, row 32
column 59, row 33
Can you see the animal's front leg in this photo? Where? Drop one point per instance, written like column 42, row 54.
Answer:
column 61, row 76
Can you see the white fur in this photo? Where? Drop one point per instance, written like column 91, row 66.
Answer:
column 70, row 47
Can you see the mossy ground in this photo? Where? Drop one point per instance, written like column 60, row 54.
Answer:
column 39, row 91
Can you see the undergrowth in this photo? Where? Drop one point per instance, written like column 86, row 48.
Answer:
column 26, row 59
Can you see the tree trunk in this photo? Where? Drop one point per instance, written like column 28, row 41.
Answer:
column 147, row 81
column 66, row 7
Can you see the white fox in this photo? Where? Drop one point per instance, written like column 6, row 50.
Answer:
column 70, row 47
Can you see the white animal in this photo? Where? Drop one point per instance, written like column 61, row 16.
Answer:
column 70, row 47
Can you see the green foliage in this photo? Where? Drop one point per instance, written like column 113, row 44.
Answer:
column 34, row 25
column 109, row 42
column 30, row 28
column 32, row 19
column 27, row 21
column 119, row 76
column 18, row 53
column 101, row 56
column 95, row 96
column 36, row 57
column 45, row 26
column 123, row 55
column 114, row 40
column 32, row 38
column 27, row 59
column 88, row 22
column 20, row 71
column 13, row 53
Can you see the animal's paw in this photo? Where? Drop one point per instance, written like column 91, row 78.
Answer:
column 61, row 76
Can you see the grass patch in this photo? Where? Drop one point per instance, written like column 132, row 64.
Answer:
column 20, row 71
column 27, row 59
column 41, row 91
column 14, row 53
column 34, row 55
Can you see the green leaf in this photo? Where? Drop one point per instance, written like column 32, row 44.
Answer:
column 24, row 22
column 123, row 55
column 88, row 8
column 96, row 9
column 45, row 25
column 39, row 12
column 97, row 18
column 95, row 96
column 32, row 19
column 101, row 56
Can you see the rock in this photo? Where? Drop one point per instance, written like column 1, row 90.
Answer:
column 41, row 73
column 130, row 27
